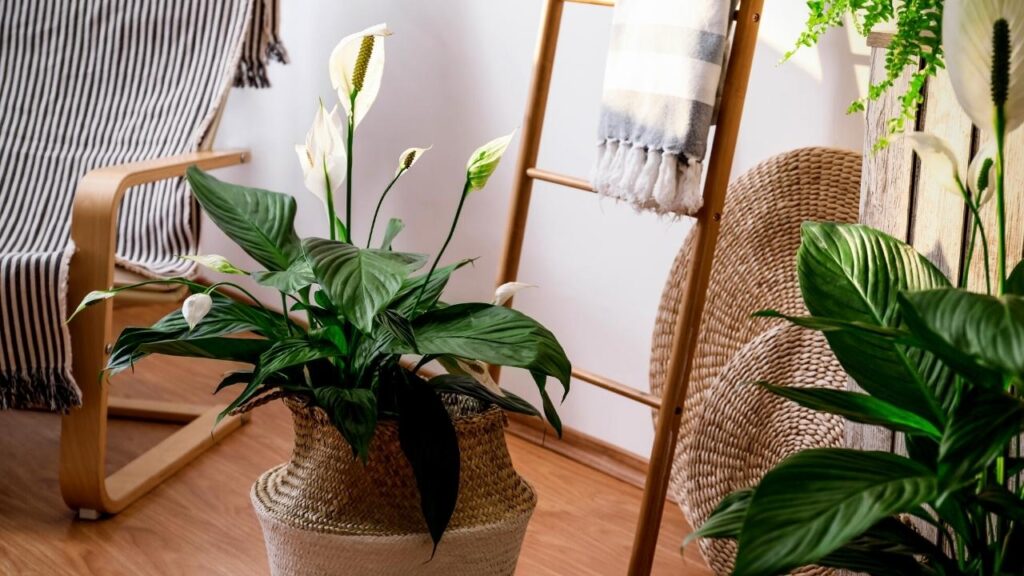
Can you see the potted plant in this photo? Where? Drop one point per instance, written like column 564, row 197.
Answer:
column 940, row 365
column 387, row 461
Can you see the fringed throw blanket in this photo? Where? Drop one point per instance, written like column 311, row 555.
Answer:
column 664, row 66
column 92, row 84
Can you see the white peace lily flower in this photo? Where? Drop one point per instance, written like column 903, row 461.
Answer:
column 985, row 159
column 195, row 308
column 506, row 291
column 215, row 262
column 410, row 157
column 479, row 371
column 967, row 37
column 356, row 67
column 936, row 156
column 485, row 160
column 323, row 155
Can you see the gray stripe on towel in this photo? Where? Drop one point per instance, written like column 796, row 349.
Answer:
column 660, row 111
column 664, row 39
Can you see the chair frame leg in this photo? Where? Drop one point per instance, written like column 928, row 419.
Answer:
column 84, row 483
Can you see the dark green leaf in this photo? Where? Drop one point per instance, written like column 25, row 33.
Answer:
column 214, row 348
column 1015, row 282
column 360, row 283
column 467, row 386
column 1000, row 501
column 858, row 407
column 491, row 334
column 550, row 412
column 817, row 501
column 726, row 521
column 353, row 411
column 259, row 221
column 976, row 334
column 854, row 273
column 298, row 276
column 427, row 437
column 890, row 547
column 979, row 430
column 232, row 378
column 395, row 225
column 835, row 325
column 397, row 327
column 292, row 352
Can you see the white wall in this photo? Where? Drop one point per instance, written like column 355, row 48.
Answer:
column 456, row 75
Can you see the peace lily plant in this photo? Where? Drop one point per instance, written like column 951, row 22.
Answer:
column 940, row 366
column 365, row 307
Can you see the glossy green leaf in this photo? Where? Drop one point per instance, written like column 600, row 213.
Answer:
column 817, row 501
column 979, row 431
column 491, row 334
column 834, row 325
column 854, row 273
column 359, row 282
column 550, row 412
column 259, row 221
column 397, row 327
column 214, row 348
column 1015, row 281
column 353, row 411
column 977, row 334
column 292, row 352
column 467, row 386
column 858, row 407
column 395, row 226
column 428, row 440
column 1001, row 502
column 299, row 275
column 889, row 548
column 726, row 521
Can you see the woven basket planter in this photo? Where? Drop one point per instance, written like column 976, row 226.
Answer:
column 326, row 513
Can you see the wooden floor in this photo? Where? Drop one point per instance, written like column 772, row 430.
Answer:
column 200, row 521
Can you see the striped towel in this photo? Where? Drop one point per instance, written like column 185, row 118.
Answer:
column 664, row 67
column 92, row 84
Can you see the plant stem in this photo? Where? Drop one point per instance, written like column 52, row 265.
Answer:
column 284, row 312
column 330, row 200
column 255, row 300
column 1000, row 126
column 348, row 166
column 976, row 227
column 373, row 224
column 451, row 232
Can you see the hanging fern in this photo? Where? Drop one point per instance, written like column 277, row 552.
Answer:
column 916, row 44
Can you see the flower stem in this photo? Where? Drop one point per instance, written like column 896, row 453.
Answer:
column 976, row 227
column 451, row 232
column 1000, row 126
column 373, row 224
column 348, row 166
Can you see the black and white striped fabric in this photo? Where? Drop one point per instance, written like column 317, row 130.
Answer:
column 91, row 84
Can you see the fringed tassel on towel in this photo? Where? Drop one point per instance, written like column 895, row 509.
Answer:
column 262, row 44
column 45, row 389
column 652, row 180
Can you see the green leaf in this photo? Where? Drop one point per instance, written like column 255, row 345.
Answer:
column 1015, row 282
column 397, row 327
column 395, row 225
column 491, row 334
column 292, row 352
column 858, row 407
column 979, row 430
column 404, row 301
column 998, row 500
column 97, row 296
column 427, row 437
column 468, row 386
column 854, row 273
column 817, row 501
column 353, row 411
column 976, row 334
column 889, row 548
column 726, row 521
column 359, row 282
column 298, row 276
column 484, row 162
column 833, row 325
column 226, row 317
column 214, row 348
column 259, row 221
column 550, row 412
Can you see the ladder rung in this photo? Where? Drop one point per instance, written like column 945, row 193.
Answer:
column 538, row 174
column 620, row 389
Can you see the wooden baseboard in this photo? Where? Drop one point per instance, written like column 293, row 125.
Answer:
column 583, row 448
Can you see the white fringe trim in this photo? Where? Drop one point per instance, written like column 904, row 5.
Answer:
column 648, row 179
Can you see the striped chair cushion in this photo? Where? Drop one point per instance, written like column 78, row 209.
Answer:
column 91, row 84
